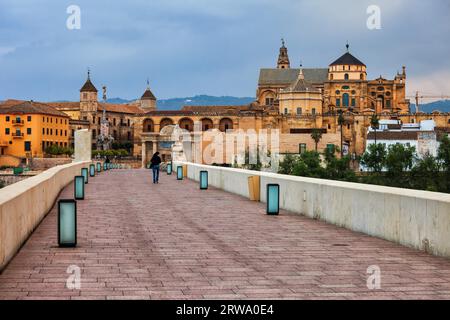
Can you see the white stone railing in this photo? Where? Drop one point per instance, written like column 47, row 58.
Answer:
column 417, row 219
column 24, row 204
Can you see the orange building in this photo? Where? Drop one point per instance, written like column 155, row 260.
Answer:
column 27, row 128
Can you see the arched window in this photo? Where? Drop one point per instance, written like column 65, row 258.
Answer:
column 186, row 124
column 331, row 76
column 225, row 124
column 148, row 125
column 207, row 124
column 345, row 100
column 165, row 122
column 361, row 76
column 346, row 77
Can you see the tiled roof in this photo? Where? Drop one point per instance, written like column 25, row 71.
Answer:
column 393, row 135
column 347, row 59
column 65, row 105
column 88, row 87
column 30, row 107
column 120, row 108
column 148, row 95
column 301, row 85
column 287, row 76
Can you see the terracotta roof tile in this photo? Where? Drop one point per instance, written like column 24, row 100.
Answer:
column 29, row 107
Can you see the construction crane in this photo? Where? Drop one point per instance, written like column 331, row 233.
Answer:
column 419, row 96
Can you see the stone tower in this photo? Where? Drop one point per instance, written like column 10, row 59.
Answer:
column 88, row 96
column 148, row 100
column 283, row 58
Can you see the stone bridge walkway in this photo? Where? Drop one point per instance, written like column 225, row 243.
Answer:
column 173, row 241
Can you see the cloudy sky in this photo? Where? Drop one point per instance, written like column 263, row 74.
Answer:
column 216, row 47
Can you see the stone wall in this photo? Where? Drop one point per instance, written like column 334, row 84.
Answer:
column 24, row 204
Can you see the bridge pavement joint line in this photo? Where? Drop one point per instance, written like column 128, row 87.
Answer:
column 137, row 240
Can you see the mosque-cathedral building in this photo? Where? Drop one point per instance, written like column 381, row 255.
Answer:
column 294, row 100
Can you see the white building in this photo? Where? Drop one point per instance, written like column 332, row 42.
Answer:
column 421, row 135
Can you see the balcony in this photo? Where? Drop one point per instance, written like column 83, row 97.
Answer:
column 3, row 143
column 18, row 122
column 17, row 135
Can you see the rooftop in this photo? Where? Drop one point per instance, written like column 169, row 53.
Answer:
column 29, row 107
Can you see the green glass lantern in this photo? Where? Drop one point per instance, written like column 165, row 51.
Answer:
column 67, row 223
column 78, row 187
column 180, row 173
column 273, row 199
column 99, row 167
column 92, row 170
column 203, row 180
column 105, row 166
column 85, row 174
column 169, row 168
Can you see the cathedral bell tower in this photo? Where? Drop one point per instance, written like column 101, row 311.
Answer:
column 283, row 58
column 88, row 96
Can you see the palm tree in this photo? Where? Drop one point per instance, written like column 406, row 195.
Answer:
column 316, row 135
column 341, row 121
column 374, row 123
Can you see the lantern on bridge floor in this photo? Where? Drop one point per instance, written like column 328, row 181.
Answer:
column 273, row 199
column 203, row 180
column 85, row 174
column 67, row 223
column 78, row 188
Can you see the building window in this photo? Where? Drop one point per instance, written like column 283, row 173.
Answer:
column 93, row 133
column 51, row 120
column 7, row 118
column 346, row 77
column 353, row 102
column 302, row 148
column 361, row 76
column 313, row 111
column 65, row 133
column 299, row 111
column 28, row 130
column 93, row 119
column 329, row 126
column 85, row 118
column 43, row 131
column 47, row 131
column 348, row 126
column 7, row 131
column 345, row 99
column 129, row 136
column 51, row 131
column 286, row 111
column 269, row 101
column 27, row 146
column 338, row 102
column 29, row 118
column 338, row 92
column 98, row 120
column 114, row 121
column 331, row 76
column 128, row 122
column 56, row 132
column 388, row 104
column 73, row 132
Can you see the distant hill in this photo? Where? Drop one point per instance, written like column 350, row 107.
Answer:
column 441, row 105
column 200, row 100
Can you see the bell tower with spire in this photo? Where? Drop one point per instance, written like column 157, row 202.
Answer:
column 148, row 99
column 88, row 96
column 283, row 57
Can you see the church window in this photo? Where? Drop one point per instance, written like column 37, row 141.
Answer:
column 353, row 92
column 346, row 77
column 353, row 102
column 94, row 133
column 361, row 76
column 269, row 101
column 331, row 76
column 299, row 111
column 313, row 111
column 338, row 102
column 338, row 92
column 373, row 94
column 388, row 94
column 380, row 88
column 345, row 87
column 286, row 111
column 388, row 103
column 345, row 99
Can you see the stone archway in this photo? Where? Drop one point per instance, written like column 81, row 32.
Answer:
column 186, row 124
column 148, row 125
column 225, row 124
column 207, row 124
column 165, row 122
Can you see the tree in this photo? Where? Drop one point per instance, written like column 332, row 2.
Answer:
column 316, row 135
column 374, row 124
column 374, row 159
column 309, row 165
column 425, row 175
column 338, row 169
column 399, row 159
column 341, row 121
column 444, row 154
column 286, row 166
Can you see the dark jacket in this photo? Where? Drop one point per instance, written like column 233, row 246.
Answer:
column 156, row 160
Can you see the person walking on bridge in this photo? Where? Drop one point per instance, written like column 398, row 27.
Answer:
column 154, row 165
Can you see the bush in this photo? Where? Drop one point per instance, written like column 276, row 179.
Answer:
column 57, row 150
